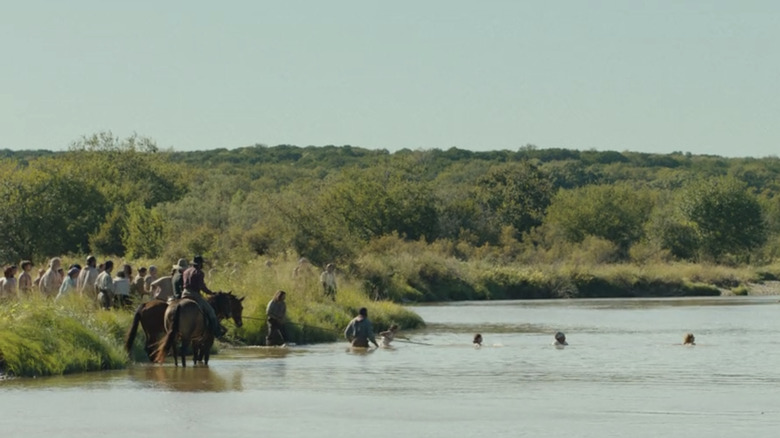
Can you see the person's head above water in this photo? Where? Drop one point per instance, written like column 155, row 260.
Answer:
column 477, row 339
column 560, row 337
column 689, row 339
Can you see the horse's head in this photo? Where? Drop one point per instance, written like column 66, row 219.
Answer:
column 229, row 306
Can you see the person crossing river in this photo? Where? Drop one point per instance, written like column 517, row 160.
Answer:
column 194, row 283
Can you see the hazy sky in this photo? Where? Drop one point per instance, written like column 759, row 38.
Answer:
column 650, row 76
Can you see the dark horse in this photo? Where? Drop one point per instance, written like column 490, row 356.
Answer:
column 186, row 322
column 152, row 317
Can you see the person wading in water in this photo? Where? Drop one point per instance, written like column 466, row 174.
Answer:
column 359, row 330
column 276, row 314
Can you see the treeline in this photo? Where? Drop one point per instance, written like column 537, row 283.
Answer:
column 128, row 198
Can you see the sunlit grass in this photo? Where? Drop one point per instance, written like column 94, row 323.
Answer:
column 39, row 337
column 312, row 317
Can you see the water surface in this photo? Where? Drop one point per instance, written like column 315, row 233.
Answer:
column 624, row 374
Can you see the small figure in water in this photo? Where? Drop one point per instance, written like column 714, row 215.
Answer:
column 477, row 340
column 388, row 335
column 689, row 339
column 560, row 340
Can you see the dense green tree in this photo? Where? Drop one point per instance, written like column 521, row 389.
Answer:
column 47, row 210
column 143, row 231
column 378, row 201
column 728, row 219
column 515, row 194
column 614, row 213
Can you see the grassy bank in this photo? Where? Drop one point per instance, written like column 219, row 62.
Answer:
column 312, row 316
column 39, row 337
column 414, row 271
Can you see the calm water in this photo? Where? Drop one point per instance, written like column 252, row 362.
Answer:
column 624, row 374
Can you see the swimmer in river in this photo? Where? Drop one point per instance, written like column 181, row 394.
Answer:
column 477, row 340
column 689, row 339
column 388, row 335
column 560, row 340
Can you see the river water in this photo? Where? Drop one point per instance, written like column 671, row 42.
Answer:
column 624, row 374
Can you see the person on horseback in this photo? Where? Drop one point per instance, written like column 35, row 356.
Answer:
column 193, row 282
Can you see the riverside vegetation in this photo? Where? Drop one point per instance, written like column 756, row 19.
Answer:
column 414, row 225
column 41, row 337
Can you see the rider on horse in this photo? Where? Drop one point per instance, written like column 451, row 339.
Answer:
column 194, row 283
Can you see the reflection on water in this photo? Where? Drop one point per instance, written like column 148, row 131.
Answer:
column 624, row 373
column 189, row 379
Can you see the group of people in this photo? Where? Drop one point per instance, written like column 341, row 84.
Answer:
column 559, row 340
column 92, row 280
column 109, row 289
column 359, row 332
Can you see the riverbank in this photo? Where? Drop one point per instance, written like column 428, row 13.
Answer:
column 39, row 337
column 405, row 272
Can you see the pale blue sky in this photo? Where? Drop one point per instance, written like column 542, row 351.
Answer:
column 649, row 76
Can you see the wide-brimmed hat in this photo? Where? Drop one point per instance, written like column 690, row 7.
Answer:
column 181, row 264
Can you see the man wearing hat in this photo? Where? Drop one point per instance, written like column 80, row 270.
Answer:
column 194, row 282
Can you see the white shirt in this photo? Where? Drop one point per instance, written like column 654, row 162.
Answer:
column 121, row 286
column 104, row 282
column 87, row 278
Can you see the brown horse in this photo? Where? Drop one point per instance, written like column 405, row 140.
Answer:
column 151, row 316
column 185, row 321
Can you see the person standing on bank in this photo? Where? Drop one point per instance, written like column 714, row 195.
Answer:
column 85, row 284
column 276, row 315
column 359, row 330
column 105, row 286
column 50, row 281
column 25, row 281
column 177, row 279
column 328, row 281
column 193, row 283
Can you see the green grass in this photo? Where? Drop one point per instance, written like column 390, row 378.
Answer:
column 312, row 317
column 39, row 337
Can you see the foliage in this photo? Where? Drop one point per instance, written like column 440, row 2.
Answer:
column 433, row 209
column 516, row 194
column 616, row 213
column 46, row 210
column 726, row 217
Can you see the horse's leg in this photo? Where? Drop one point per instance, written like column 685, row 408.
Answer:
column 185, row 343
column 176, row 350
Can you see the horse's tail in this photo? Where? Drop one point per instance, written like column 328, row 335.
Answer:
column 170, row 337
column 130, row 337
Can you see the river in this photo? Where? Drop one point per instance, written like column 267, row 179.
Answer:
column 624, row 374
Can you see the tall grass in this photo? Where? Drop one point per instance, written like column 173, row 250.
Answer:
column 39, row 337
column 416, row 271
column 312, row 317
